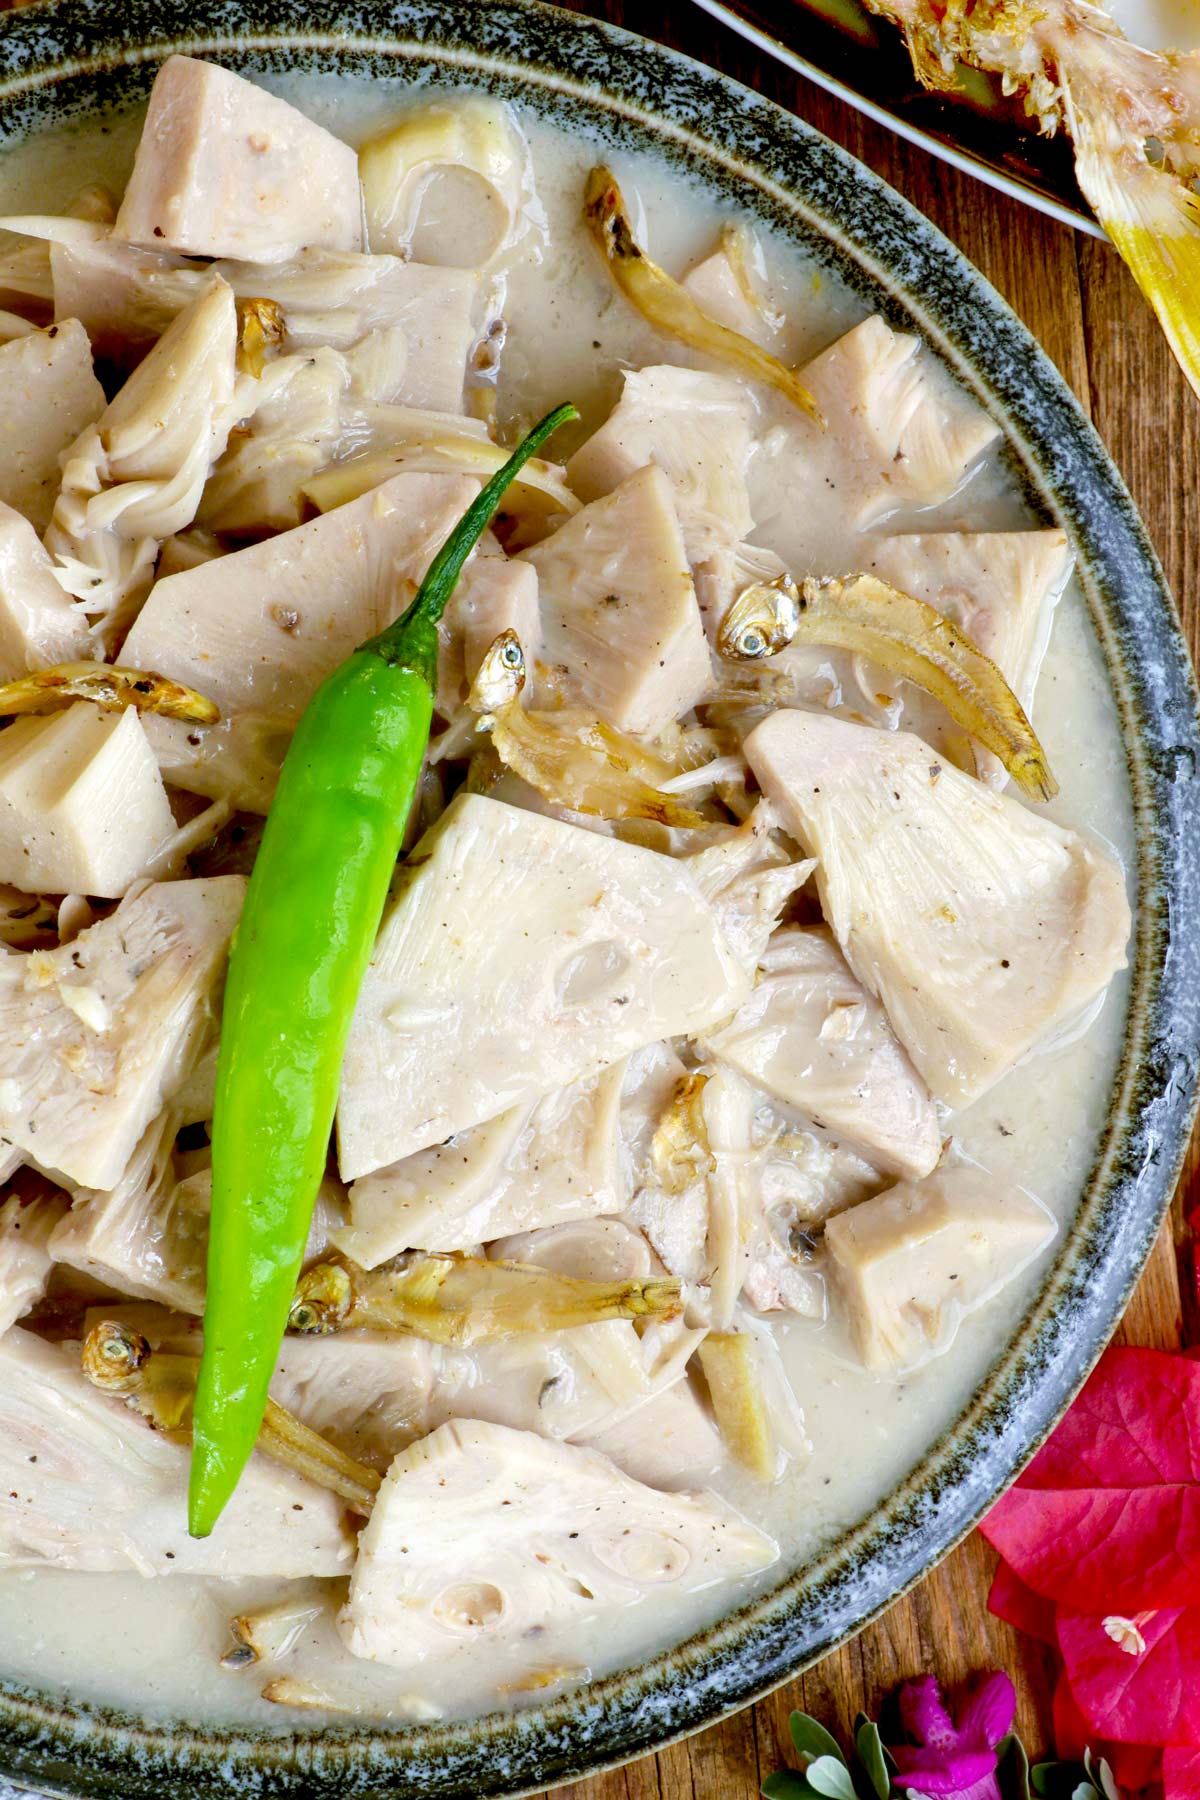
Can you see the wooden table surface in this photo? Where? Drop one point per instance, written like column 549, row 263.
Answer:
column 1076, row 297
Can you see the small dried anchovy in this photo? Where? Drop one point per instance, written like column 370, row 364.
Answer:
column 466, row 1299
column 107, row 686
column 866, row 616
column 161, row 1386
column 763, row 620
column 269, row 1634
column 571, row 758
column 670, row 307
column 916, row 641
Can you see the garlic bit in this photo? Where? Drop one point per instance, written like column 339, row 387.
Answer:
column 261, row 328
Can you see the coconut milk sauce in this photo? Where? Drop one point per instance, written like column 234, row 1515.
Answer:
column 153, row 1646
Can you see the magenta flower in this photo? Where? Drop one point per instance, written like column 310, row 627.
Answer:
column 953, row 1762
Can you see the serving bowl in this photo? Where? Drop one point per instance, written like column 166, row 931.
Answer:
column 863, row 60
column 68, row 59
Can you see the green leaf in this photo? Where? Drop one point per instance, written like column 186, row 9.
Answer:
column 788, row 1784
column 1012, row 1768
column 812, row 1740
column 1085, row 1791
column 830, row 1776
column 870, row 1753
column 1101, row 1777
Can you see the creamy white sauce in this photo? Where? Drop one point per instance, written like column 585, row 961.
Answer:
column 154, row 1645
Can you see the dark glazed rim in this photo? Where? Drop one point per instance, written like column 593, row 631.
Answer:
column 62, row 57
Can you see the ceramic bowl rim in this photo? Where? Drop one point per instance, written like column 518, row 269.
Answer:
column 755, row 152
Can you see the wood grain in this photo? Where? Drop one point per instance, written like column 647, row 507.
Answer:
column 1080, row 303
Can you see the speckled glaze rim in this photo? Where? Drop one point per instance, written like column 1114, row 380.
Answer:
column 67, row 57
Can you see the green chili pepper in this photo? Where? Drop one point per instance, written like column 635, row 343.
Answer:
column 298, row 959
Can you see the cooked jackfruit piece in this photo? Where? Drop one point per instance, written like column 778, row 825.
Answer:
column 97, row 1035
column 475, row 1003
column 83, row 809
column 224, row 168
column 470, row 144
column 695, row 427
column 142, row 1236
column 900, row 434
column 909, row 437
column 27, row 1222
column 911, row 1263
column 622, row 631
column 488, row 1535
column 123, row 295
column 262, row 627
column 590, row 1249
column 728, row 286
column 339, row 299
column 50, row 396
column 669, row 1441
column 136, row 475
column 294, row 428
column 1001, row 587
column 979, row 924
column 368, row 1393
column 39, row 626
column 537, row 1165
column 812, row 1036
column 86, row 1484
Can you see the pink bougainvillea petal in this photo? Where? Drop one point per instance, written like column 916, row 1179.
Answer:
column 1108, row 1512
column 987, row 1715
column 1136, row 1766
column 932, row 1774
column 1180, row 1774
column 1129, row 1550
column 1071, row 1730
column 1136, row 1423
column 1020, row 1607
column 923, row 1714
column 1152, row 1697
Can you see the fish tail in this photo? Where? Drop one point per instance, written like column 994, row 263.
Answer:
column 1152, row 214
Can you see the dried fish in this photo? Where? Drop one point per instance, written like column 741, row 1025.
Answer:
column 1134, row 115
column 161, row 1386
column 670, row 307
column 916, row 641
column 866, row 616
column 762, row 620
column 570, row 756
column 106, row 685
column 467, row 1300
